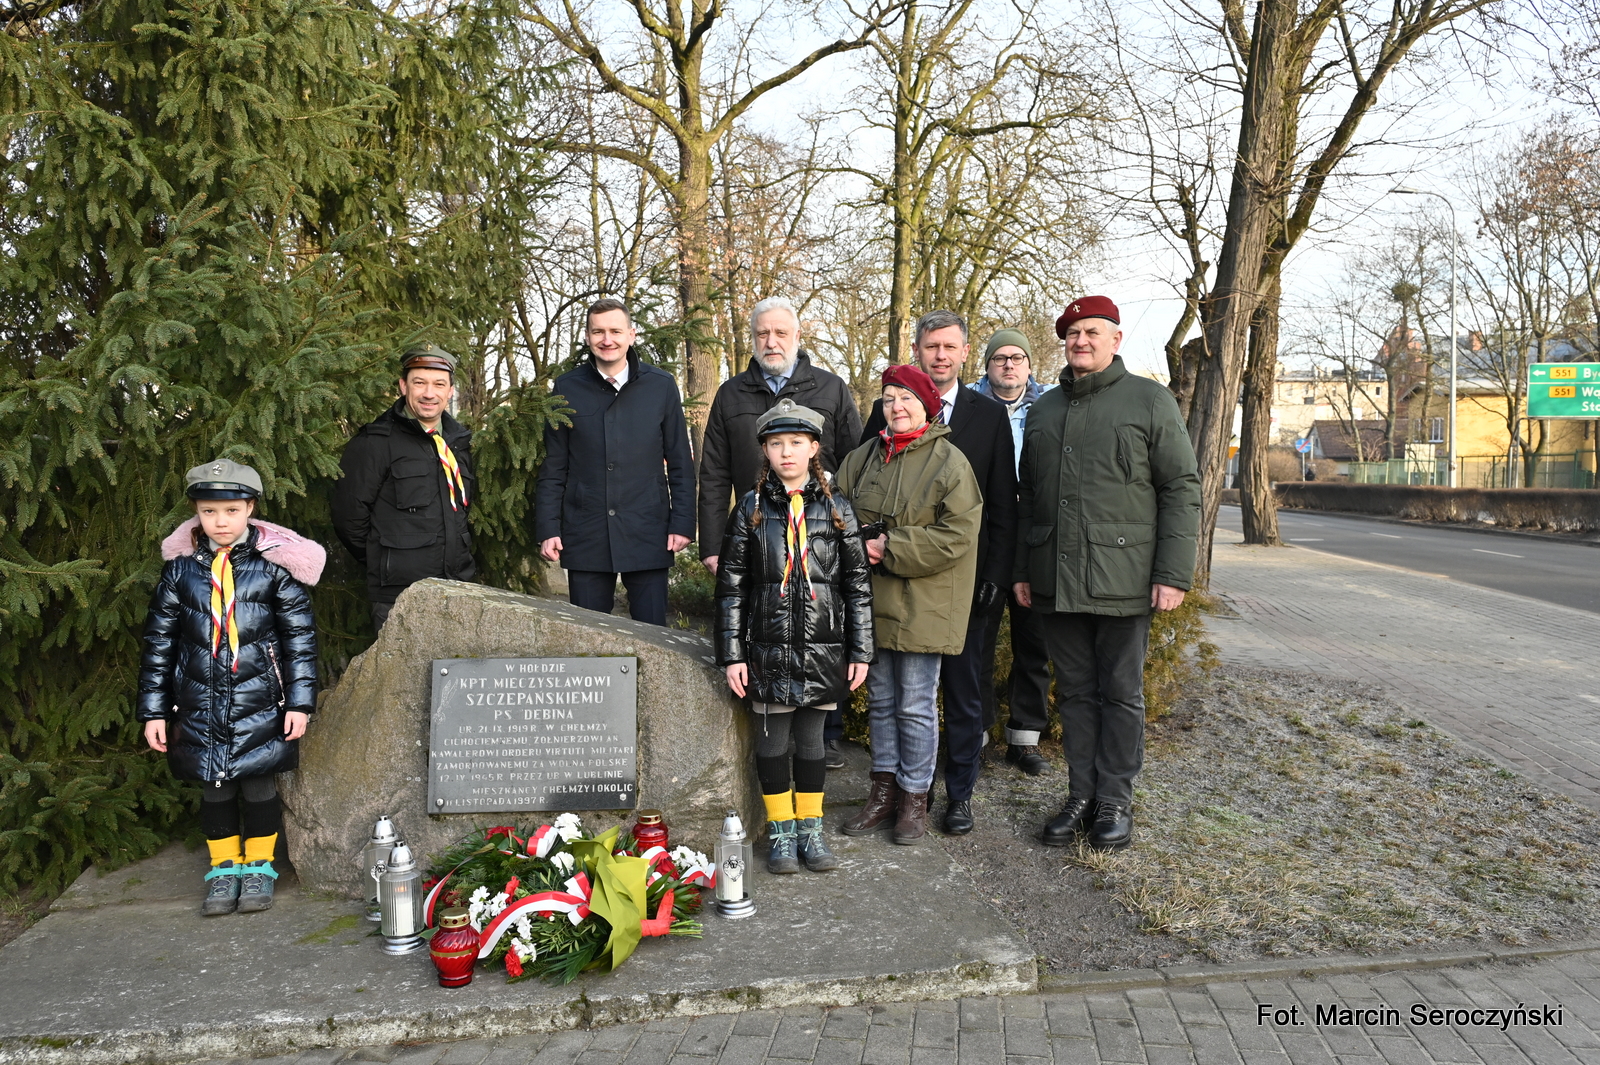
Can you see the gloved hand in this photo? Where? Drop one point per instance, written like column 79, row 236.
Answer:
column 987, row 599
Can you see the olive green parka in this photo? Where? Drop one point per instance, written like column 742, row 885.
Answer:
column 1108, row 497
column 930, row 500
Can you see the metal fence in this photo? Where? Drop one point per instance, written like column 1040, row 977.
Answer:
column 1570, row 470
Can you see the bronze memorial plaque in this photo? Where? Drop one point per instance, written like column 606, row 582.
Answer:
column 533, row 734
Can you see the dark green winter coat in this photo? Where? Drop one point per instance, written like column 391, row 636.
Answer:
column 1108, row 498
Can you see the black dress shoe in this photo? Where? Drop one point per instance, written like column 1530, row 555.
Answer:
column 958, row 818
column 1026, row 757
column 1113, row 828
column 1073, row 818
column 832, row 757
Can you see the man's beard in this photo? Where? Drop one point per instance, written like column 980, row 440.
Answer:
column 786, row 370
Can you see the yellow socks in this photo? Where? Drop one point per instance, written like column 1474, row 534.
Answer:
column 780, row 807
column 807, row 804
column 225, row 850
column 260, row 848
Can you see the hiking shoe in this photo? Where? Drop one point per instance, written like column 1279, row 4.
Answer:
column 782, row 858
column 813, row 848
column 255, row 887
column 222, row 890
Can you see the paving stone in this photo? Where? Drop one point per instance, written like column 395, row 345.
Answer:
column 1305, row 1047
column 1067, row 1016
column 798, row 1030
column 757, row 1022
column 980, row 1047
column 935, row 1029
column 1159, row 1024
column 619, row 1037
column 1118, row 1040
column 933, row 1055
column 851, row 1022
column 650, row 1048
column 466, row 1052
column 839, row 1051
column 1214, row 1046
column 980, row 1014
column 706, row 1035
column 888, row 1044
column 1109, row 1007
column 1400, row 1050
column 1193, row 1007
column 1074, row 1050
column 1026, row 1037
column 1169, row 1055
column 1021, row 1006
column 894, row 1014
column 744, row 1050
column 598, row 1057
column 384, row 1054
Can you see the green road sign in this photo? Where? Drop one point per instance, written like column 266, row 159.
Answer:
column 1564, row 390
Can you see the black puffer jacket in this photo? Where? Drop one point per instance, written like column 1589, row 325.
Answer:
column 797, row 642
column 223, row 724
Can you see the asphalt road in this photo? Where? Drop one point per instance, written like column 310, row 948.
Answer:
column 1568, row 574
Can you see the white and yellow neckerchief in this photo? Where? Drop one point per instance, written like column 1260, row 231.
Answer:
column 452, row 471
column 222, row 606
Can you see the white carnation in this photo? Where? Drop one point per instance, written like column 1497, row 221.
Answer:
column 563, row 861
column 569, row 826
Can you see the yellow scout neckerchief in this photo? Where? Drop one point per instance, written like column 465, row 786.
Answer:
column 452, row 471
column 794, row 538
column 222, row 605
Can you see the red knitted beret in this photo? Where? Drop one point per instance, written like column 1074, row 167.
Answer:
column 1087, row 307
column 919, row 384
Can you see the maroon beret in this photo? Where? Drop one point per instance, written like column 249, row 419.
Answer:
column 1087, row 307
column 912, row 379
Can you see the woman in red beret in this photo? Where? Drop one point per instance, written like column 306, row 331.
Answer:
column 919, row 488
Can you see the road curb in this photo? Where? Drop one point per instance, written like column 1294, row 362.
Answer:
column 1176, row 976
column 1443, row 526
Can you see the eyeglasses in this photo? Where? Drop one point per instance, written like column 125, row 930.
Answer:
column 1016, row 359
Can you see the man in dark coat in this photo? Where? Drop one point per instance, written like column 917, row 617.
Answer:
column 400, row 504
column 980, row 430
column 616, row 491
column 730, row 457
column 1108, row 508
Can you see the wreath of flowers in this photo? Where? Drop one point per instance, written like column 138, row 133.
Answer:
column 562, row 901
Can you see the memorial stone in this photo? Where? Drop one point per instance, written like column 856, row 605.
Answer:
column 368, row 749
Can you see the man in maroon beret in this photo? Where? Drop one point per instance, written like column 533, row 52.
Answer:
column 1107, row 513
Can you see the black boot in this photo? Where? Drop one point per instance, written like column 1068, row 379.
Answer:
column 1026, row 757
column 1113, row 828
column 958, row 817
column 1073, row 819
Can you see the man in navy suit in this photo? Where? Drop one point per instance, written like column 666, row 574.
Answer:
column 980, row 430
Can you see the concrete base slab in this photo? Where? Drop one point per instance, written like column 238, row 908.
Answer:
column 115, row 977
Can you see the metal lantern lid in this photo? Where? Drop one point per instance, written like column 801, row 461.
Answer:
column 401, row 859
column 649, row 817
column 452, row 918
column 383, row 833
column 732, row 827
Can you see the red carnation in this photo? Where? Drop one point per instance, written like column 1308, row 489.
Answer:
column 513, row 963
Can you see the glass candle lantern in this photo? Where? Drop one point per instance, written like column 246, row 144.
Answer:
column 400, row 897
column 650, row 830
column 733, row 869
column 454, row 948
column 384, row 837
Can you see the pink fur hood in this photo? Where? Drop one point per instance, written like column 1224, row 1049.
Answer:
column 303, row 558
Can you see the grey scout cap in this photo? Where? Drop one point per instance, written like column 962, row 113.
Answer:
column 223, row 479
column 787, row 416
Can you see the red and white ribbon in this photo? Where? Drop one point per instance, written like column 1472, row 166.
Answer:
column 574, row 902
column 543, row 839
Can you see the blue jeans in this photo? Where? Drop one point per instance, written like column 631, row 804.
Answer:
column 904, row 719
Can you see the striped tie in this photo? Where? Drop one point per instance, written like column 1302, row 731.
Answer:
column 222, row 606
column 795, row 540
column 452, row 471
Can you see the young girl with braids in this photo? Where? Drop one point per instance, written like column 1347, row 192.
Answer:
column 794, row 624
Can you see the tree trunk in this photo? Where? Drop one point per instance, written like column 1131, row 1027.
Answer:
column 1252, row 200
column 694, row 289
column 903, row 193
column 1256, row 506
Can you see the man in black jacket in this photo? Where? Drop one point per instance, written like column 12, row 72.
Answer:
column 616, row 491
column 980, row 430
column 400, row 504
column 730, row 457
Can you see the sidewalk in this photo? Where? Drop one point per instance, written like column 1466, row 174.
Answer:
column 1518, row 678
column 1219, row 1023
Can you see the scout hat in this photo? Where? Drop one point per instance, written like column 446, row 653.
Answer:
column 427, row 357
column 1012, row 338
column 1087, row 307
column 223, row 479
column 787, row 416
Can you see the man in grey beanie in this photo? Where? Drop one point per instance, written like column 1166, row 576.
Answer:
column 1008, row 379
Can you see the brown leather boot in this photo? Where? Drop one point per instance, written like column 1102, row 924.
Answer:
column 882, row 802
column 912, row 824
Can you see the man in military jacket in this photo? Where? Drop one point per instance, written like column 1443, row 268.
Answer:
column 1107, row 515
column 400, row 504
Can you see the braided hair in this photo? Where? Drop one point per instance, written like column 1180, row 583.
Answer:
column 817, row 474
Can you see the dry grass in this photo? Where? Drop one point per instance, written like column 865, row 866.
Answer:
column 1281, row 815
